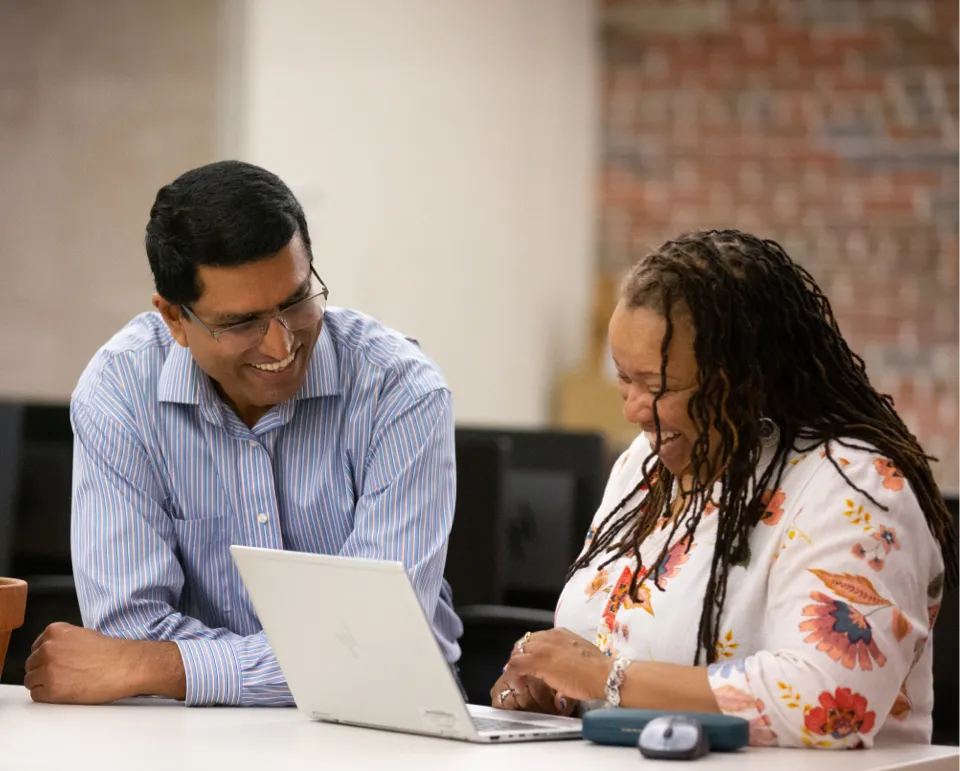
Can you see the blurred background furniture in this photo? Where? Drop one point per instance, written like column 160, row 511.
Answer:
column 525, row 500
column 552, row 485
column 946, row 659
column 36, row 464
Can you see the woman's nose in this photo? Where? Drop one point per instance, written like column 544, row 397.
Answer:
column 638, row 406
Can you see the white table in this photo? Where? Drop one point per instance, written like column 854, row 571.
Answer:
column 157, row 734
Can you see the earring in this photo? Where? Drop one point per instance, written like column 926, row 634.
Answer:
column 769, row 432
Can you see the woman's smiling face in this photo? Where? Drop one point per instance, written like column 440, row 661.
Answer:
column 636, row 339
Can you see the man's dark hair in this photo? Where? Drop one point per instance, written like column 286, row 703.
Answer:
column 225, row 213
column 768, row 348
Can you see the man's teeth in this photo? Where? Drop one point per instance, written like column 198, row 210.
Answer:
column 666, row 436
column 277, row 366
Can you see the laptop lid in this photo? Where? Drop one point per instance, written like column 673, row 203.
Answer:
column 353, row 642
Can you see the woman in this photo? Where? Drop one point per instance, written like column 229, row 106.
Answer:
column 772, row 545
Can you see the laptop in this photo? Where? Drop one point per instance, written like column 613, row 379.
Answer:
column 356, row 648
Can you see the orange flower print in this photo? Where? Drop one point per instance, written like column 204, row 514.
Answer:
column 886, row 541
column 840, row 714
column 893, row 476
column 887, row 538
column 623, row 630
column 675, row 557
column 840, row 461
column 709, row 509
column 761, row 728
column 726, row 647
column 604, row 641
column 774, row 506
column 598, row 584
column 902, row 704
column 617, row 595
column 932, row 612
column 842, row 632
column 641, row 603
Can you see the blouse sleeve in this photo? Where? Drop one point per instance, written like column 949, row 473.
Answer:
column 847, row 617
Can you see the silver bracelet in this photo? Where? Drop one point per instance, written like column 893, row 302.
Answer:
column 618, row 674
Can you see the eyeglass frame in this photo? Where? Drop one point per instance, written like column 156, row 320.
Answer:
column 266, row 320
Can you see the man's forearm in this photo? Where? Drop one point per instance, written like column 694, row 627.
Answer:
column 157, row 670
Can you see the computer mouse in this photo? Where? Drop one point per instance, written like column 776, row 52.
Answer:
column 673, row 737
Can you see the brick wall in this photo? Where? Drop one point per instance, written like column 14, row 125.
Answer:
column 830, row 126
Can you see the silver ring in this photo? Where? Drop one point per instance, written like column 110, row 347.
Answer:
column 503, row 694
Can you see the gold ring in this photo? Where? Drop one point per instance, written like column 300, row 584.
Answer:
column 503, row 694
column 523, row 641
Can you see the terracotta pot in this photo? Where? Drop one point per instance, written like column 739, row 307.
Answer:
column 13, row 603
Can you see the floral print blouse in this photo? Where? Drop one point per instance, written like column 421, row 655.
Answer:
column 825, row 638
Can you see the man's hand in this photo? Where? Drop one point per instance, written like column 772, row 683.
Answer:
column 564, row 661
column 71, row 665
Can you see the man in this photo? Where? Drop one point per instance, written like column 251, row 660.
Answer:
column 243, row 411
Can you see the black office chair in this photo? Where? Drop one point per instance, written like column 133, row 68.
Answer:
column 525, row 499
column 473, row 552
column 11, row 428
column 35, row 488
column 489, row 633
column 553, row 485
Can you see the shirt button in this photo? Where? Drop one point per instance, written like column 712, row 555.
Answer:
column 253, row 443
column 262, row 518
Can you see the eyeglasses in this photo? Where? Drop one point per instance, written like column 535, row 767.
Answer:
column 248, row 334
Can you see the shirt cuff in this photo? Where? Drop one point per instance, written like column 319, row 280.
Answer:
column 731, row 688
column 213, row 672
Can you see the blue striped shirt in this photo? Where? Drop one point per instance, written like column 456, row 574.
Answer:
column 166, row 476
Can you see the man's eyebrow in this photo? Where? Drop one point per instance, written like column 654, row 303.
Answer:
column 238, row 318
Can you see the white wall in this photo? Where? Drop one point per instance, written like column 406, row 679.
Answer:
column 445, row 153
column 101, row 103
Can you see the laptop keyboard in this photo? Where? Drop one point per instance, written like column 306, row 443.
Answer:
column 500, row 725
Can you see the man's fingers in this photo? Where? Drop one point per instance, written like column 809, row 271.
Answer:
column 35, row 659
column 33, row 679
column 39, row 641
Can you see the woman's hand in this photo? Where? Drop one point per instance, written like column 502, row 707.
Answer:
column 529, row 694
column 565, row 662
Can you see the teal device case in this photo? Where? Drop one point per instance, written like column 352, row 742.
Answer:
column 623, row 727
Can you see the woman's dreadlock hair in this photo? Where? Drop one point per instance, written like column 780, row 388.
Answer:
column 767, row 347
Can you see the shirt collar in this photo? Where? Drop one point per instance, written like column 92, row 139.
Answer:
column 323, row 371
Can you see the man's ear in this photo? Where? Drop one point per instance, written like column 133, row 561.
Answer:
column 173, row 316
